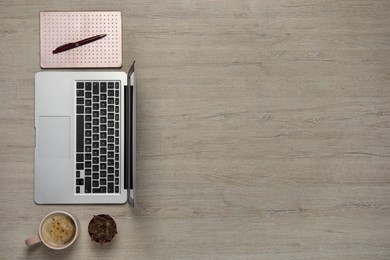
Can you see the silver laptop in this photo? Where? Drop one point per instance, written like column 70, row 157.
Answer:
column 85, row 137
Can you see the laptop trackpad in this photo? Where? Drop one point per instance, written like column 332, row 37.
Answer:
column 54, row 137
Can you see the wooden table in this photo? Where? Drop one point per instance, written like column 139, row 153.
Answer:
column 263, row 130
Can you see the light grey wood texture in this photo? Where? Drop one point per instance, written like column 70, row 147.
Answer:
column 263, row 130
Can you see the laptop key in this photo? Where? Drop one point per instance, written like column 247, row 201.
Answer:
column 95, row 176
column 80, row 93
column 80, row 110
column 79, row 181
column 88, row 94
column 88, row 110
column 78, row 174
column 110, row 85
column 95, row 184
column 87, row 187
column 110, row 177
column 80, row 101
column 110, row 187
column 103, row 174
column 87, row 85
column 103, row 182
column 95, row 88
column 87, row 172
column 80, row 85
column 116, row 181
column 77, row 189
column 116, row 189
column 103, row 87
column 79, row 166
column 79, row 157
column 96, row 190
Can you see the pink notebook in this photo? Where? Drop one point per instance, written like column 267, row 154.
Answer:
column 58, row 28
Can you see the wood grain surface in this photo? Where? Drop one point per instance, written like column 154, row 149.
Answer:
column 262, row 130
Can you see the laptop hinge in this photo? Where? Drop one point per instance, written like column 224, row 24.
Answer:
column 130, row 148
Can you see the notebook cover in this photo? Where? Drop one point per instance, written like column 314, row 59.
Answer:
column 58, row 28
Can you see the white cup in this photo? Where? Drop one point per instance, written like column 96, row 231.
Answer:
column 55, row 235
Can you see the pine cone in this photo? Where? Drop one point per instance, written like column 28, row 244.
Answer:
column 102, row 228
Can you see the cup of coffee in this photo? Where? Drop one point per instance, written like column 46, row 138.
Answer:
column 58, row 230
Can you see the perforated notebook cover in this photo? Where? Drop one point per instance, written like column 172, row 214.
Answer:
column 58, row 28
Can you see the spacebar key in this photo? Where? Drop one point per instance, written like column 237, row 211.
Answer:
column 80, row 133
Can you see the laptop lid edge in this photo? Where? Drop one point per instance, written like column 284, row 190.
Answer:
column 130, row 140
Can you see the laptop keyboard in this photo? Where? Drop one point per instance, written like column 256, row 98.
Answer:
column 97, row 137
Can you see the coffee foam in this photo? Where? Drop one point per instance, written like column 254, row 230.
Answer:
column 58, row 230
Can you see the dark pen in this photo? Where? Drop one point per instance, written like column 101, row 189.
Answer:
column 73, row 45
